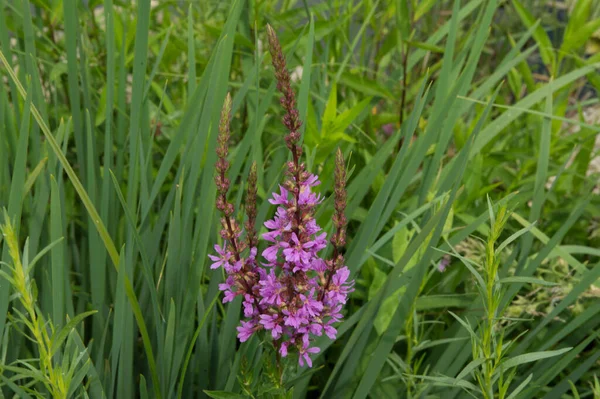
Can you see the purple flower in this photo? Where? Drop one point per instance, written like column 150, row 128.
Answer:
column 283, row 351
column 252, row 255
column 296, row 294
column 313, row 328
column 304, row 355
column 308, row 198
column 246, row 330
column 318, row 265
column 294, row 319
column 229, row 296
column 229, row 282
column 248, row 305
column 227, row 288
column 311, row 306
column 330, row 331
column 341, row 275
column 312, row 227
column 236, row 267
column 280, row 199
column 388, row 129
column 318, row 243
column 443, row 263
column 335, row 314
column 272, row 322
column 271, row 290
column 296, row 253
column 270, row 254
column 278, row 225
column 312, row 180
column 222, row 259
column 339, row 289
column 299, row 267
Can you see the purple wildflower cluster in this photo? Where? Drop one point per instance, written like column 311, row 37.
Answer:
column 293, row 293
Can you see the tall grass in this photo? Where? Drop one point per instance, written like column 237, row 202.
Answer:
column 109, row 115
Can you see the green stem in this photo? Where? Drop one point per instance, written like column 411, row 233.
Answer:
column 491, row 308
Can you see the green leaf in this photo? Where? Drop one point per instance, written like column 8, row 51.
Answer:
column 59, row 337
column 57, row 71
column 426, row 46
column 364, row 85
column 188, row 355
column 427, row 302
column 513, row 237
column 577, row 29
column 359, row 35
column 521, row 386
column 403, row 19
column 423, row 8
column 430, row 344
column 576, row 38
column 450, row 382
column 224, row 395
column 343, row 120
column 399, row 244
column 467, row 326
column 473, row 364
column 303, row 94
column 540, row 35
column 33, row 176
column 526, row 280
column 330, row 109
column 531, row 357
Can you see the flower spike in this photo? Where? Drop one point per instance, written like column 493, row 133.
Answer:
column 295, row 294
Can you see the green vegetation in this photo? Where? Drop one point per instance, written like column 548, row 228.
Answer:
column 469, row 132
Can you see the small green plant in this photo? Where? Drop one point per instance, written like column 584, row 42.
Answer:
column 491, row 367
column 59, row 365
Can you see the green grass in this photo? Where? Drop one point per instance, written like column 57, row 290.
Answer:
column 467, row 135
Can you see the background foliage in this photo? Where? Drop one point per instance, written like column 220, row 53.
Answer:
column 446, row 111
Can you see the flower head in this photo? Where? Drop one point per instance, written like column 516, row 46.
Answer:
column 297, row 294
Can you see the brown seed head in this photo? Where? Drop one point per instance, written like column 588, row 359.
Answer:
column 252, row 238
column 291, row 119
